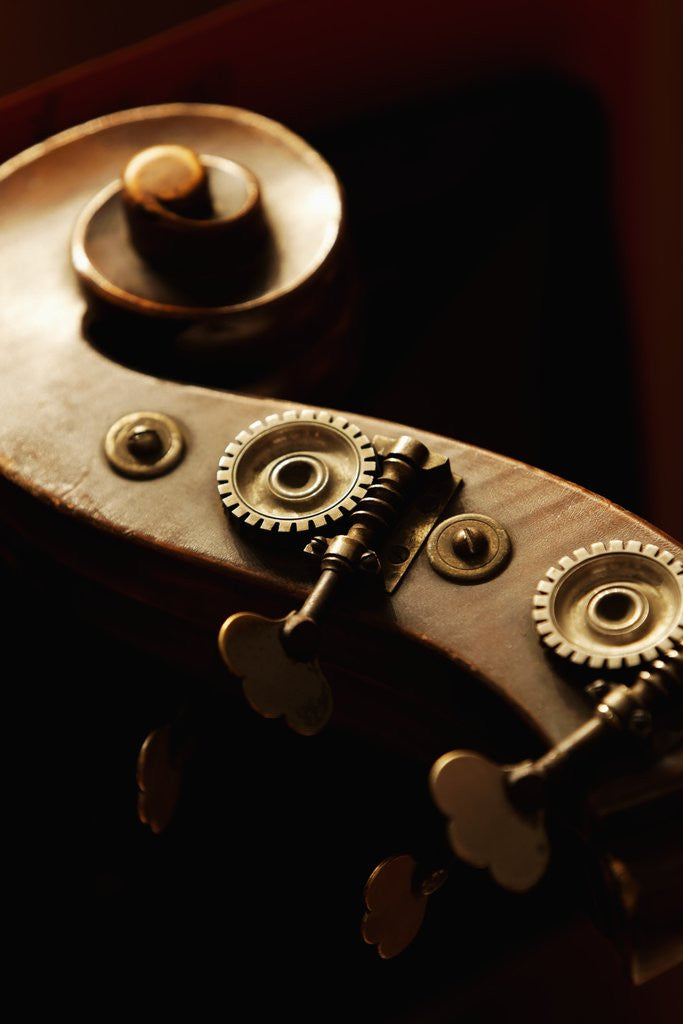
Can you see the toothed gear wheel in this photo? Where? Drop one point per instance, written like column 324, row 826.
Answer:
column 296, row 472
column 616, row 604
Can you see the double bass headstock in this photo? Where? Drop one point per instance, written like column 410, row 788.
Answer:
column 438, row 547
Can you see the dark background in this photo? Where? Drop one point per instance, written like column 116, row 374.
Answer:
column 42, row 38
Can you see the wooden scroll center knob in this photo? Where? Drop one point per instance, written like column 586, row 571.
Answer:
column 197, row 214
column 172, row 176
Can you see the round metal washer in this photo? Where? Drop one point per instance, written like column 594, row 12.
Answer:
column 119, row 445
column 490, row 555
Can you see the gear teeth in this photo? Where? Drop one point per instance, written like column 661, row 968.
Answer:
column 264, row 518
column 666, row 577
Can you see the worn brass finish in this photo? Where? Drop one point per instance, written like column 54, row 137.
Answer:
column 617, row 603
column 435, row 487
column 159, row 780
column 144, row 445
column 470, row 544
column 403, row 463
column 395, row 906
column 295, row 472
column 274, row 684
column 496, row 814
column 484, row 828
column 469, row 548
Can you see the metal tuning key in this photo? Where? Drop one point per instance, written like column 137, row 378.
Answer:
column 485, row 827
column 159, row 775
column 497, row 813
column 274, row 683
column 299, row 474
column 396, row 896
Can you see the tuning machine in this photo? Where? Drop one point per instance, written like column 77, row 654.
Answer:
column 610, row 606
column 300, row 475
column 497, row 814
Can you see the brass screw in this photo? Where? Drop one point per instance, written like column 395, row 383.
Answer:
column 470, row 543
column 145, row 445
column 316, row 546
column 369, row 562
column 469, row 548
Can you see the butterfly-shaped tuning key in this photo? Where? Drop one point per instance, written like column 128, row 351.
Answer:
column 275, row 683
column 159, row 778
column 496, row 814
column 396, row 900
column 485, row 828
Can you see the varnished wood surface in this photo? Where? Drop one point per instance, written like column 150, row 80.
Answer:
column 60, row 396
column 299, row 61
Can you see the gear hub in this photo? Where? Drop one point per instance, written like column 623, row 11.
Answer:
column 295, row 472
column 616, row 604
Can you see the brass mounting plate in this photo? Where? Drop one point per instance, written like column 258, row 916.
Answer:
column 437, row 486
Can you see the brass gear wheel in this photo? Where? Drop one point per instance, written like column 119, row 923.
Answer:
column 616, row 604
column 296, row 471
